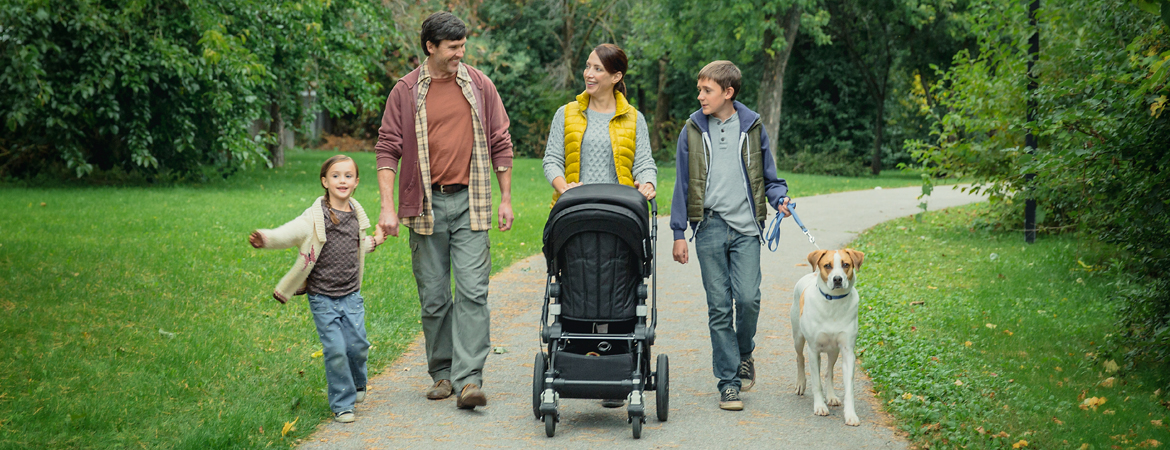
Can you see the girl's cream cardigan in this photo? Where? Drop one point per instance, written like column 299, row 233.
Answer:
column 307, row 232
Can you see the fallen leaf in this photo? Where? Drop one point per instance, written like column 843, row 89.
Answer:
column 1084, row 446
column 1111, row 366
column 1057, row 421
column 958, row 382
column 1092, row 402
column 1002, row 434
column 1008, row 332
column 1020, row 444
column 1108, row 412
column 1149, row 443
column 931, row 287
column 990, row 325
column 968, row 343
column 289, row 426
column 980, row 430
column 1156, row 423
column 1058, row 369
column 1107, row 383
column 907, row 396
column 317, row 354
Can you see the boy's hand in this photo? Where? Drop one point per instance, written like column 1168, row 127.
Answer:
column 783, row 209
column 647, row 190
column 680, row 251
column 256, row 239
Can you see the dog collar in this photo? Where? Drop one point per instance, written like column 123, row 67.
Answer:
column 832, row 297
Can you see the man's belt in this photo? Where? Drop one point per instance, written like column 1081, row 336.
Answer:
column 448, row 188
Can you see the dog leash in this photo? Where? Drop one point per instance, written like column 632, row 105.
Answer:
column 773, row 236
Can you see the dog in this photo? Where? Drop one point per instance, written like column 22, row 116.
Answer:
column 824, row 314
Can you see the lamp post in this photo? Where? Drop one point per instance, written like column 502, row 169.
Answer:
column 1030, row 138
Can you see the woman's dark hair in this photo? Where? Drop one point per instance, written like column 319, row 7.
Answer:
column 614, row 60
column 325, row 170
column 441, row 26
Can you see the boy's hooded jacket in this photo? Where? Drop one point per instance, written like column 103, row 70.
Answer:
column 307, row 232
column 693, row 160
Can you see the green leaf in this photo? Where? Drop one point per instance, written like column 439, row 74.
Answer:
column 1150, row 6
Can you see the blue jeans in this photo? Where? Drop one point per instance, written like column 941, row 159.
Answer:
column 730, row 264
column 341, row 324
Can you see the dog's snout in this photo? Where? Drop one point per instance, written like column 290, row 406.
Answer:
column 837, row 280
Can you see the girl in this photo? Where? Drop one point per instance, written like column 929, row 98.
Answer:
column 332, row 244
column 599, row 137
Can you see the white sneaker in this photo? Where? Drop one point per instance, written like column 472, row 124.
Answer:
column 361, row 396
column 344, row 417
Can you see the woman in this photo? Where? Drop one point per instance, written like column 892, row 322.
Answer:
column 601, row 137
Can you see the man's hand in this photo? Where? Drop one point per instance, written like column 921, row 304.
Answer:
column 388, row 222
column 256, row 239
column 783, row 209
column 506, row 215
column 680, row 251
column 647, row 190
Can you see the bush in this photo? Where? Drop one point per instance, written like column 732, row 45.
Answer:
column 170, row 88
column 840, row 163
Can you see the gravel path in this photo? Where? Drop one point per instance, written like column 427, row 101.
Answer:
column 396, row 415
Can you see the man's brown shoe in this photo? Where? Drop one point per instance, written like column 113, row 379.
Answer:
column 470, row 397
column 441, row 390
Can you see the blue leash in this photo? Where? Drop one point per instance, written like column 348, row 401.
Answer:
column 773, row 235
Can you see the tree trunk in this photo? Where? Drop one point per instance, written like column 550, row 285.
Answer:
column 879, row 122
column 661, row 107
column 276, row 128
column 772, row 85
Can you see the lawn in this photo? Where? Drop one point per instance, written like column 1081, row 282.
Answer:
column 977, row 340
column 139, row 316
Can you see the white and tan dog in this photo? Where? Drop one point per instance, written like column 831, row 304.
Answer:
column 824, row 314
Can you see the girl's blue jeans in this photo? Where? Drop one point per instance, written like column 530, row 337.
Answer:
column 341, row 324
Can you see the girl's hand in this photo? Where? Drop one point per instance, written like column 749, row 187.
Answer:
column 256, row 239
column 379, row 236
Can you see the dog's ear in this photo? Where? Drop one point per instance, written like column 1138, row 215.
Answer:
column 814, row 257
column 856, row 256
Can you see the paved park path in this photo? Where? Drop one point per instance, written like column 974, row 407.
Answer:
column 396, row 415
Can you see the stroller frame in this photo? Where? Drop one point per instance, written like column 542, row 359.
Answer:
column 560, row 372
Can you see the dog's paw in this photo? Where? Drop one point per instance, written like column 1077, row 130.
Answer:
column 834, row 401
column 820, row 409
column 852, row 420
column 800, row 389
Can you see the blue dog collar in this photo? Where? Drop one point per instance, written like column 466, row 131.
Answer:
column 832, row 297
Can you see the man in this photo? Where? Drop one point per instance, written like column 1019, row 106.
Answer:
column 444, row 122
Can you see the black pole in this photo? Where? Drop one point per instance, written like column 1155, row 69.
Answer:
column 1030, row 138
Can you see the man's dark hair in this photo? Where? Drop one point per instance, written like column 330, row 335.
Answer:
column 441, row 26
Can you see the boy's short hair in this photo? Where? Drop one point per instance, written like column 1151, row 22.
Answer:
column 439, row 27
column 724, row 73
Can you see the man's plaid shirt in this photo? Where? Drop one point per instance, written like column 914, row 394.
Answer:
column 480, row 187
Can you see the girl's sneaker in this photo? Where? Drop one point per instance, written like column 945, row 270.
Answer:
column 344, row 417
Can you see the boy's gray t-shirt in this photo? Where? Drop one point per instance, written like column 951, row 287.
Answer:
column 726, row 188
column 597, row 150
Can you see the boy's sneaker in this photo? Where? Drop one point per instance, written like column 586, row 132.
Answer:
column 344, row 417
column 747, row 373
column 361, row 396
column 730, row 400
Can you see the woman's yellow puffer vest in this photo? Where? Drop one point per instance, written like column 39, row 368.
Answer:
column 622, row 136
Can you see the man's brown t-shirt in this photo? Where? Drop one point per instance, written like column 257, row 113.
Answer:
column 449, row 132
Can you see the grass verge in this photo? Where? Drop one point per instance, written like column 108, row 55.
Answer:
column 977, row 340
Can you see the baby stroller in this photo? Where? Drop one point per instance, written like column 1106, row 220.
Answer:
column 599, row 244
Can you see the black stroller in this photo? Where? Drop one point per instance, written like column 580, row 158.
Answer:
column 599, row 244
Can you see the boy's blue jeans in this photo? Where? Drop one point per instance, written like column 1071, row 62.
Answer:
column 341, row 324
column 730, row 264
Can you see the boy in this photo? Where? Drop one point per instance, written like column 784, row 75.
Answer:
column 721, row 189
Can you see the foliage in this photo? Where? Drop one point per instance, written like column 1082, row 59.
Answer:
column 170, row 88
column 837, row 163
column 997, row 342
column 1101, row 168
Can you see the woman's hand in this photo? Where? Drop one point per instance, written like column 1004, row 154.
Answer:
column 647, row 190
column 570, row 186
column 256, row 239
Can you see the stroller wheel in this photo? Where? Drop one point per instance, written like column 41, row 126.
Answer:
column 550, row 424
column 637, row 424
column 662, row 393
column 538, row 368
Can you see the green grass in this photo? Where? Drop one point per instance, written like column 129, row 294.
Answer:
column 1007, row 338
column 139, row 317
